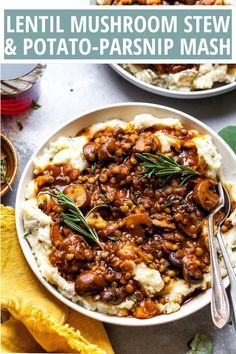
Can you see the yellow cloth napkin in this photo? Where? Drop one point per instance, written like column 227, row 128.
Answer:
column 39, row 323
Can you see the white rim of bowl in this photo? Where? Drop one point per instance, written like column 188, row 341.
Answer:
column 172, row 93
column 123, row 321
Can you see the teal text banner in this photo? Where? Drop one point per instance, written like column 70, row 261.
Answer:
column 138, row 35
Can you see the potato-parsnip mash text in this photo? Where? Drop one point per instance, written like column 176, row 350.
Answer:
column 118, row 34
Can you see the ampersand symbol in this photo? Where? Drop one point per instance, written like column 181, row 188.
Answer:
column 10, row 49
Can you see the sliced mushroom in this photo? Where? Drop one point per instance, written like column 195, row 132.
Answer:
column 191, row 271
column 188, row 219
column 188, row 2
column 118, row 170
column 174, row 260
column 90, row 151
column 114, row 296
column 103, row 153
column 140, row 145
column 164, row 224
column 163, row 221
column 78, row 194
column 134, row 220
column 204, row 194
column 111, row 145
column 191, row 226
column 106, row 150
column 89, row 283
column 192, row 276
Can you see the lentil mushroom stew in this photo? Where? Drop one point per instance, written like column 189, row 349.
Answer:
column 120, row 215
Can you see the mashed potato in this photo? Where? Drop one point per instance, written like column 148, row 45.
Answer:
column 63, row 150
column 209, row 154
column 187, row 80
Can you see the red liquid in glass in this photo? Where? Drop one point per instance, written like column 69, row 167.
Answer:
column 19, row 87
column 17, row 103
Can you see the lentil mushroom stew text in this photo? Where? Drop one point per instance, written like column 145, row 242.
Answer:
column 128, row 224
column 179, row 77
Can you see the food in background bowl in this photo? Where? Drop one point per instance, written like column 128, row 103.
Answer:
column 116, row 216
column 182, row 77
column 165, row 2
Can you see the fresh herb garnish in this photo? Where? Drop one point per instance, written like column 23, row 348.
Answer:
column 93, row 168
column 133, row 297
column 3, row 171
column 135, row 202
column 185, row 180
column 20, row 126
column 137, row 193
column 201, row 344
column 35, row 105
column 73, row 217
column 168, row 205
column 163, row 166
column 97, row 207
column 114, row 238
column 50, row 158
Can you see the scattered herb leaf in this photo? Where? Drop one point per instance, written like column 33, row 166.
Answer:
column 133, row 297
column 97, row 207
column 185, row 180
column 201, row 344
column 93, row 168
column 134, row 201
column 35, row 105
column 114, row 238
column 20, row 126
column 137, row 193
column 229, row 136
column 168, row 205
column 51, row 158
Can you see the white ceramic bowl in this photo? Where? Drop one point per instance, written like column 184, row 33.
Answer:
column 219, row 90
column 127, row 112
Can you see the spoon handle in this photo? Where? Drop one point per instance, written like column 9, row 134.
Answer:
column 220, row 310
column 230, row 270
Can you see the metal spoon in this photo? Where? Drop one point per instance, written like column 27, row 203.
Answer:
column 228, row 265
column 220, row 310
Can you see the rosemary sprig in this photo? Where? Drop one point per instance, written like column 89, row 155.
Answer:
column 3, row 171
column 163, row 166
column 73, row 217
